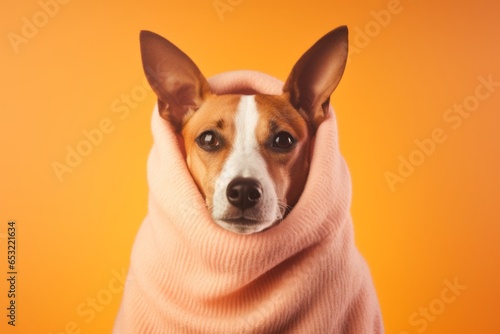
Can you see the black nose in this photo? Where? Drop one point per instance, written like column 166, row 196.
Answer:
column 244, row 192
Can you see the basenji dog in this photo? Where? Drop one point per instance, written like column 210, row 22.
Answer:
column 247, row 153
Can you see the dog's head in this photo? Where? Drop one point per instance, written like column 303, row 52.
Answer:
column 248, row 153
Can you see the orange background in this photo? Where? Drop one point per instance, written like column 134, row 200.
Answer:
column 77, row 69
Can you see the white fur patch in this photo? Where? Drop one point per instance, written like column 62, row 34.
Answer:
column 245, row 160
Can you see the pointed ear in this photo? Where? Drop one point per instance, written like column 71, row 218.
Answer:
column 174, row 77
column 316, row 75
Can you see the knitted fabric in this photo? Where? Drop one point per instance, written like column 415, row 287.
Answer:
column 188, row 275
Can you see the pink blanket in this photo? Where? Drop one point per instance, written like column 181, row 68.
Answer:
column 188, row 275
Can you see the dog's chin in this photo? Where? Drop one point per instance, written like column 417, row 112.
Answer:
column 244, row 226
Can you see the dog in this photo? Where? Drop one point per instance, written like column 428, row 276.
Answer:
column 247, row 153
column 269, row 169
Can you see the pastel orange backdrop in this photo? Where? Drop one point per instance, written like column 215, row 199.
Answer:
column 78, row 69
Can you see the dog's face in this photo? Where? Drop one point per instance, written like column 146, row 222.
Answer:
column 248, row 153
column 249, row 161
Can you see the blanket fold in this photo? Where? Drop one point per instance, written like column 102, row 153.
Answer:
column 188, row 275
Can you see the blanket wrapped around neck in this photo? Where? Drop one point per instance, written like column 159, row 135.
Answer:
column 188, row 275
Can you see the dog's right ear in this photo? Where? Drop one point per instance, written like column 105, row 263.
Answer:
column 316, row 75
column 174, row 77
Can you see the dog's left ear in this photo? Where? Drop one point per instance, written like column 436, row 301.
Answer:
column 316, row 75
column 180, row 86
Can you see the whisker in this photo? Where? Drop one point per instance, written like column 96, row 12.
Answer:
column 283, row 210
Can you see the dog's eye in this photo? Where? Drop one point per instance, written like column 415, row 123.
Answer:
column 208, row 141
column 283, row 141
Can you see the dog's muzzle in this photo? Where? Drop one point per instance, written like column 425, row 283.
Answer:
column 244, row 192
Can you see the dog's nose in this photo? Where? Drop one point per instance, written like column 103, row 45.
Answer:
column 244, row 192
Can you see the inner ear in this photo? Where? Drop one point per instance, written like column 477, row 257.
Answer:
column 177, row 81
column 317, row 73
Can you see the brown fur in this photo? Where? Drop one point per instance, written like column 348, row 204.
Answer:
column 185, row 100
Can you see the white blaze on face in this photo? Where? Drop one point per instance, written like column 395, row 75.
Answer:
column 245, row 161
